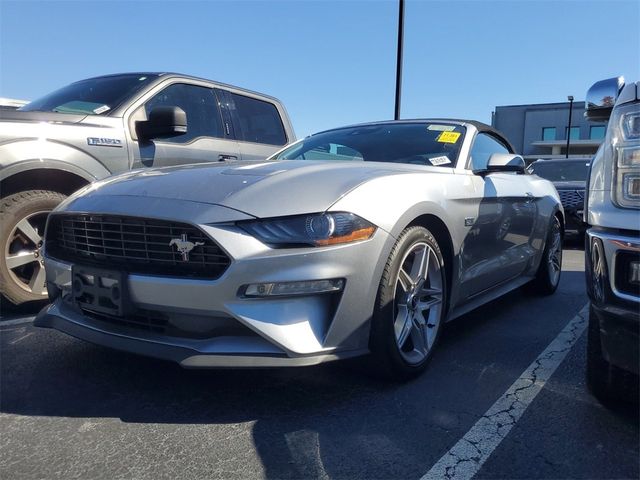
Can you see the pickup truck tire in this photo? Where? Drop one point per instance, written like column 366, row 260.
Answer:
column 24, row 215
column 608, row 383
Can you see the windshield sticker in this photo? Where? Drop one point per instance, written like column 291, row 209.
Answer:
column 448, row 137
column 101, row 109
column 439, row 160
column 441, row 128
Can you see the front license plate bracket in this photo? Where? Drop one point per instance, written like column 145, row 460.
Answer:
column 100, row 290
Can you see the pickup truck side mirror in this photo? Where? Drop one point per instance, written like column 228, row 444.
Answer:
column 163, row 122
column 503, row 162
column 601, row 97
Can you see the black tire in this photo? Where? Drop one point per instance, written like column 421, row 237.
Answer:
column 34, row 206
column 546, row 280
column 388, row 358
column 608, row 383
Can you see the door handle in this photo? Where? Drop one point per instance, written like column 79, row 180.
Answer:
column 224, row 158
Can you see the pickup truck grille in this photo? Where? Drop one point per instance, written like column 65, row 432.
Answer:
column 134, row 245
column 571, row 198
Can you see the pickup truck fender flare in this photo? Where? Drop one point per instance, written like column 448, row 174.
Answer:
column 34, row 154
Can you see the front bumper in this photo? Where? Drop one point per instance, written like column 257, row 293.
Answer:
column 208, row 323
column 617, row 310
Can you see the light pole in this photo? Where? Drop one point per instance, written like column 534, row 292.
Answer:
column 570, row 98
column 399, row 59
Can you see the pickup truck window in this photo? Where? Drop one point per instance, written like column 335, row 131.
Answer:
column 200, row 105
column 259, row 121
column 94, row 96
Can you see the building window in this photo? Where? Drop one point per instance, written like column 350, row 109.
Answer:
column 597, row 132
column 575, row 133
column 549, row 133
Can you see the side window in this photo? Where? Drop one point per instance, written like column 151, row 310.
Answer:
column 200, row 105
column 483, row 146
column 259, row 121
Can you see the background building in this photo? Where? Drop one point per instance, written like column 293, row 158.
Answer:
column 540, row 130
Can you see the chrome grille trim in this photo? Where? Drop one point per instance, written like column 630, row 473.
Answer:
column 134, row 245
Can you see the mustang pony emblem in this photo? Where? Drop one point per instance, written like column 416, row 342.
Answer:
column 184, row 246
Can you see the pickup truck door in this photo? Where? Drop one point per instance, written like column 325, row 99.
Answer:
column 256, row 122
column 208, row 137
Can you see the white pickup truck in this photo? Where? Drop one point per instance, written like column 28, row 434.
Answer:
column 612, row 244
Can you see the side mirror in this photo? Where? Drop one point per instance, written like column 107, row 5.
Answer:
column 163, row 122
column 601, row 97
column 503, row 162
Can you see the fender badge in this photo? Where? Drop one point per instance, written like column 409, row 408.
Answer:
column 104, row 142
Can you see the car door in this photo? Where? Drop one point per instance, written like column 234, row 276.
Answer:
column 497, row 247
column 257, row 125
column 208, row 137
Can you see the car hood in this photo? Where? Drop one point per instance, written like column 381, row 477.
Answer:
column 16, row 116
column 261, row 189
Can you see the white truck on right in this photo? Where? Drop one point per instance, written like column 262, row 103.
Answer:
column 612, row 243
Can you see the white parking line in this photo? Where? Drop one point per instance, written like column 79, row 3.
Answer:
column 16, row 321
column 467, row 456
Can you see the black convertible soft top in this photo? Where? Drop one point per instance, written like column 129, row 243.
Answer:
column 482, row 127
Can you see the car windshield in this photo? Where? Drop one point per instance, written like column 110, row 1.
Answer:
column 561, row 171
column 94, row 96
column 414, row 143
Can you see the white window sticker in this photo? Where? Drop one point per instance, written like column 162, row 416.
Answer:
column 441, row 128
column 439, row 160
column 101, row 109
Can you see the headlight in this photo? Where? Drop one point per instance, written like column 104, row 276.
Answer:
column 625, row 136
column 318, row 229
column 631, row 125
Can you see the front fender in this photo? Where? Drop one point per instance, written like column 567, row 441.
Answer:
column 31, row 154
column 393, row 202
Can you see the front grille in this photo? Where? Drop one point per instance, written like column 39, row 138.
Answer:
column 142, row 320
column 134, row 245
column 170, row 325
column 571, row 198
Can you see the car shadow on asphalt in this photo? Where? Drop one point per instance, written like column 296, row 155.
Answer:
column 333, row 419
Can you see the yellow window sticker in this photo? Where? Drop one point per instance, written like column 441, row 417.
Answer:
column 448, row 137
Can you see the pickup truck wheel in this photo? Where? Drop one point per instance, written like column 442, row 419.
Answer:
column 608, row 383
column 24, row 216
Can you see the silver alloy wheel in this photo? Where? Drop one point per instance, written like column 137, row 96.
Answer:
column 417, row 303
column 554, row 256
column 23, row 256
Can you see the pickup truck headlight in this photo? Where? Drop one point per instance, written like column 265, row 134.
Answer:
column 626, row 139
column 318, row 229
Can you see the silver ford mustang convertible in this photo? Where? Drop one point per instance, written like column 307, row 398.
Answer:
column 363, row 239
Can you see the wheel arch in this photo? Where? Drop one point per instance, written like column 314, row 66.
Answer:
column 440, row 231
column 54, row 179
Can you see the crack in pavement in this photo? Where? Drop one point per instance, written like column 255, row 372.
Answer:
column 466, row 457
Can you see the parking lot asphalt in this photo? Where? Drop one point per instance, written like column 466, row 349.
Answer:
column 69, row 409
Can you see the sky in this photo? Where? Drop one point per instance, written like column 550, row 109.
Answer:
column 332, row 63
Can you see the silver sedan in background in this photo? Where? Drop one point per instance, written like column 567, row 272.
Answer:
column 356, row 240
